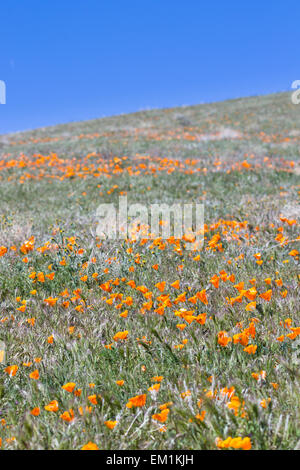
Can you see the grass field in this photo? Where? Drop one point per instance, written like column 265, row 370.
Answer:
column 208, row 343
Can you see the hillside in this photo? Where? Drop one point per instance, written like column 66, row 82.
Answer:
column 146, row 343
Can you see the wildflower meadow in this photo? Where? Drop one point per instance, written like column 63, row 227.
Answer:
column 153, row 341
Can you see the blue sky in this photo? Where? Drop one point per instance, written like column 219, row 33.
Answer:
column 74, row 60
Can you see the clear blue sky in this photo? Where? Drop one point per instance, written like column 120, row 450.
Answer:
column 74, row 60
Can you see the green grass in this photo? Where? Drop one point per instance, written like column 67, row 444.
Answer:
column 52, row 199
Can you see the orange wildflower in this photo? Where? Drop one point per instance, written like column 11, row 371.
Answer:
column 235, row 443
column 121, row 335
column 120, row 382
column 90, row 446
column 3, row 250
column 137, row 401
column 35, row 411
column 34, row 375
column 11, row 370
column 154, row 388
column 52, row 406
column 266, row 295
column 162, row 416
column 68, row 416
column 110, row 424
column 223, row 338
column 251, row 349
column 51, row 301
column 251, row 306
column 161, row 286
column 176, row 284
column 93, row 399
column 69, row 387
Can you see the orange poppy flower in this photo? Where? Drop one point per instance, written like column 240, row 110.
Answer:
column 251, row 306
column 201, row 318
column 161, row 286
column 215, row 281
column 176, row 284
column 11, row 370
column 69, row 387
column 34, row 375
column 202, row 296
column 41, row 277
column 110, row 424
column 51, row 301
column 266, row 295
column 162, row 416
column 235, row 443
column 294, row 253
column 180, row 298
column 121, row 335
column 35, row 411
column 137, row 401
column 201, row 416
column 93, row 399
column 3, row 250
column 90, row 446
column 68, row 416
column 223, row 338
column 52, row 406
column 251, row 349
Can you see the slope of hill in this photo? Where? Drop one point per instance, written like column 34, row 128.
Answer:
column 145, row 343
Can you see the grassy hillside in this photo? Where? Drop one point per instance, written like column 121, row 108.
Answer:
column 213, row 356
